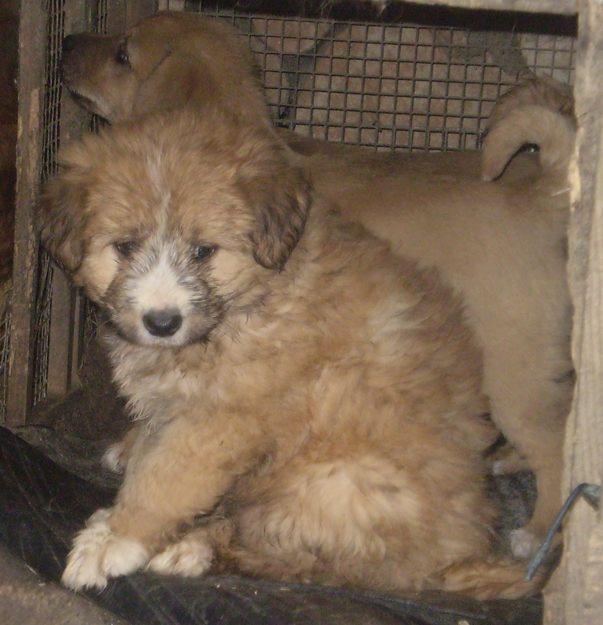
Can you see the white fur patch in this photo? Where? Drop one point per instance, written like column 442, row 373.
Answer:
column 159, row 288
column 112, row 458
column 189, row 557
column 523, row 543
column 498, row 467
column 98, row 554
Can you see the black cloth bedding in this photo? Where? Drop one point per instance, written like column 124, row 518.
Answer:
column 43, row 505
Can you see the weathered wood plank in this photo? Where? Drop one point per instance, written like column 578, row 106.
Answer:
column 563, row 7
column 32, row 50
column 576, row 598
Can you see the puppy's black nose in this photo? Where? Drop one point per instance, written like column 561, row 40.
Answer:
column 68, row 43
column 162, row 322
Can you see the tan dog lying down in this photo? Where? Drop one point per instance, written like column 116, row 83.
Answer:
column 500, row 244
column 316, row 397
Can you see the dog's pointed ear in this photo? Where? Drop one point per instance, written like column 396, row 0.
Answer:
column 280, row 203
column 172, row 85
column 60, row 217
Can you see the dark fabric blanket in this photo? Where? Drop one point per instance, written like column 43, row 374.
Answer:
column 42, row 505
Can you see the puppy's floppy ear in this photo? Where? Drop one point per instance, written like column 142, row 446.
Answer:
column 60, row 217
column 281, row 202
column 172, row 85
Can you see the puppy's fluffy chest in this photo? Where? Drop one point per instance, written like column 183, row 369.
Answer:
column 157, row 382
column 325, row 312
column 252, row 362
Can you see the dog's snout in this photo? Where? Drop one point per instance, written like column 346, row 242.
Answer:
column 162, row 322
column 69, row 43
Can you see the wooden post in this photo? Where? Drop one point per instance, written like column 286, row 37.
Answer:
column 32, row 51
column 576, row 593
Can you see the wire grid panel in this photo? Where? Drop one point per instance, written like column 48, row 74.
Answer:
column 50, row 147
column 90, row 320
column 390, row 86
column 100, row 18
column 51, row 141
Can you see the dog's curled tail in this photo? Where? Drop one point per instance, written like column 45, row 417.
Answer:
column 538, row 111
column 551, row 131
column 492, row 578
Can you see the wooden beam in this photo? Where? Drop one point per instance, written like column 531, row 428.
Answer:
column 32, row 51
column 576, row 593
column 316, row 7
column 561, row 7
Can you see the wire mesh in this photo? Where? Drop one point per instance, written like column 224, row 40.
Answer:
column 391, row 86
column 50, row 147
column 51, row 143
column 89, row 316
column 386, row 85
column 100, row 17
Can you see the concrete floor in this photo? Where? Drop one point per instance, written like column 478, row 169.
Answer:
column 25, row 599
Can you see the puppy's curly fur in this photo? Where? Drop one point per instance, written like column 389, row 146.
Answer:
column 500, row 244
column 318, row 399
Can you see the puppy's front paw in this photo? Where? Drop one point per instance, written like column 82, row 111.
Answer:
column 115, row 458
column 98, row 554
column 189, row 557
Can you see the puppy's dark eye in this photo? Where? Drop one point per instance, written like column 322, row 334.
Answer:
column 125, row 248
column 201, row 252
column 122, row 56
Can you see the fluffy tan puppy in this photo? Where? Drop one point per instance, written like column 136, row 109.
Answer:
column 168, row 60
column 500, row 244
column 315, row 397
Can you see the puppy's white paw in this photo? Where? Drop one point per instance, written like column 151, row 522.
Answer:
column 189, row 557
column 113, row 458
column 523, row 543
column 98, row 554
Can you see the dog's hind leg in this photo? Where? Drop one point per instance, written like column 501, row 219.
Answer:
column 532, row 414
column 363, row 521
column 493, row 578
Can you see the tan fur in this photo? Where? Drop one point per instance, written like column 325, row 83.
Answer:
column 535, row 91
column 324, row 405
column 174, row 59
column 501, row 244
column 503, row 247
